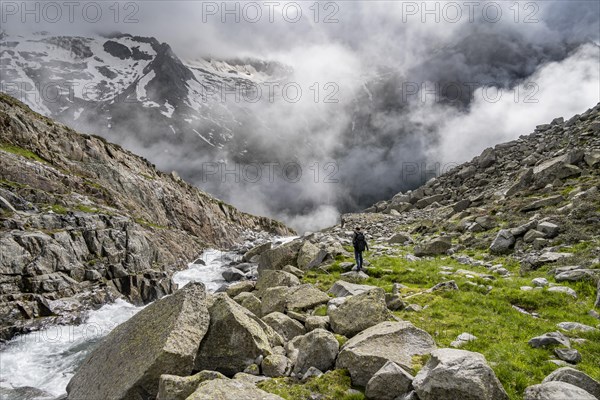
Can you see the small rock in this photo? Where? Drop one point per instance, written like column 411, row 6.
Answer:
column 389, row 383
column 540, row 282
column 551, row 338
column 571, row 356
column 555, row 390
column 563, row 289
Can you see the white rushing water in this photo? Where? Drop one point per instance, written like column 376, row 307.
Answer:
column 39, row 365
column 46, row 359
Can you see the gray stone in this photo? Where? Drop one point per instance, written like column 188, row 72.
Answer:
column 548, row 339
column 316, row 322
column 294, row 271
column 233, row 274
column 432, row 248
column 250, row 302
column 310, row 256
column 364, row 354
column 389, row 383
column 311, row 373
column 274, row 299
column 556, row 390
column 230, row 389
column 571, row 356
column 540, row 282
column 355, row 276
column 359, row 312
column 503, row 243
column 276, row 365
column 343, row 289
column 173, row 387
column 239, row 287
column 318, row 348
column 563, row 289
column 270, row 278
column 487, row 158
column 549, row 229
column 161, row 339
column 279, row 257
column 541, row 203
column 394, row 302
column 399, row 238
column 230, row 324
column 288, row 328
column 576, row 326
column 304, row 297
column 533, row 234
column 576, row 378
column 257, row 251
column 577, row 275
column 458, row 374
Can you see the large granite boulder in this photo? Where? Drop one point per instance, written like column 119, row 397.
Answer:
column 161, row 339
column 310, row 256
column 230, row 389
column 367, row 352
column 432, row 248
column 359, row 312
column 318, row 348
column 458, row 374
column 235, row 338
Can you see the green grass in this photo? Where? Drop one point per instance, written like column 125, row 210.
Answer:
column 9, row 148
column 142, row 221
column 333, row 385
column 502, row 331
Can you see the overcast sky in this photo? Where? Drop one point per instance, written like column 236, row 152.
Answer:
column 550, row 44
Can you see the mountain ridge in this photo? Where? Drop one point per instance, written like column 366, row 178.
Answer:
column 82, row 217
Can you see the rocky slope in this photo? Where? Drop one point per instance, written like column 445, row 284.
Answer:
column 83, row 220
column 442, row 311
column 526, row 197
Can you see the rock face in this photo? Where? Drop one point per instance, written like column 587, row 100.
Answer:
column 235, row 338
column 359, row 312
column 457, row 374
column 575, row 378
column 389, row 383
column 230, row 389
column 367, row 352
column 556, row 390
column 85, row 219
column 161, row 339
column 318, row 348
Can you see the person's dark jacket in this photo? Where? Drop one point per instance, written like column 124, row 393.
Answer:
column 360, row 242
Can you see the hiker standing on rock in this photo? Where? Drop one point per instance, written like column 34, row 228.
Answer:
column 360, row 244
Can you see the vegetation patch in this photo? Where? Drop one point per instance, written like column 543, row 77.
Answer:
column 333, row 385
column 9, row 148
column 502, row 330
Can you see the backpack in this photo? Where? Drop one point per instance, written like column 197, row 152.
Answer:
column 359, row 242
